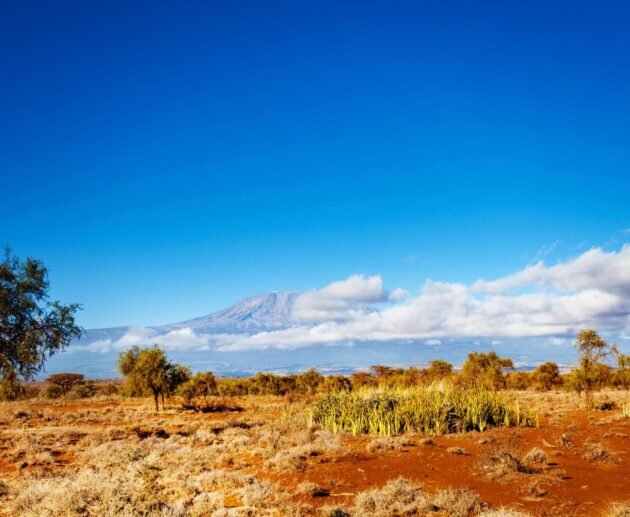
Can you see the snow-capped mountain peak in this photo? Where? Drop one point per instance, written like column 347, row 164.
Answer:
column 267, row 311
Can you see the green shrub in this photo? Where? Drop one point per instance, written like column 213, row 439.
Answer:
column 434, row 409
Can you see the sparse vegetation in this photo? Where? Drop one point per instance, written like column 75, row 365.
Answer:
column 79, row 457
column 221, row 445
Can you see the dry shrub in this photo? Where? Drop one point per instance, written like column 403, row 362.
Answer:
column 207, row 503
column 502, row 463
column 504, row 512
column 618, row 510
column 88, row 493
column 565, row 441
column 260, row 494
column 387, row 443
column 396, row 497
column 536, row 490
column 293, row 459
column 536, row 456
column 288, row 448
column 310, row 489
column 594, row 452
column 458, row 503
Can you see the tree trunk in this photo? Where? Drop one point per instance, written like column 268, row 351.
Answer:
column 155, row 397
column 588, row 398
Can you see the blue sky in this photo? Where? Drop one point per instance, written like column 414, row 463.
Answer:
column 165, row 160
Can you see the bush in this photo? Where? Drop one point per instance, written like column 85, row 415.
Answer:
column 336, row 383
column 485, row 370
column 202, row 385
column 309, row 381
column 11, row 389
column 86, row 390
column 546, row 377
column 422, row 409
column 517, row 381
column 233, row 387
column 110, row 389
column 53, row 392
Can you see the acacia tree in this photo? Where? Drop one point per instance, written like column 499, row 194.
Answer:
column 148, row 370
column 592, row 350
column 486, row 370
column 32, row 327
column 65, row 381
column 439, row 369
column 623, row 372
column 546, row 376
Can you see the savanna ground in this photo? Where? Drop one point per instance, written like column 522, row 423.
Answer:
column 256, row 455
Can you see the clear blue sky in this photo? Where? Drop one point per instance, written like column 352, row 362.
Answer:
column 166, row 159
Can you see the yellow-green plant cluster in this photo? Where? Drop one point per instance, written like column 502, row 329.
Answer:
column 437, row 409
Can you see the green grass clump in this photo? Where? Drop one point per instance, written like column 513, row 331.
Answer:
column 432, row 410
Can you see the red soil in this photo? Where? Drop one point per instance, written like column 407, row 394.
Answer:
column 579, row 488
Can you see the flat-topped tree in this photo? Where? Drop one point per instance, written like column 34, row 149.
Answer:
column 66, row 381
column 32, row 327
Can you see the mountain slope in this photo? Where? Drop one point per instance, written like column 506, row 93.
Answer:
column 268, row 311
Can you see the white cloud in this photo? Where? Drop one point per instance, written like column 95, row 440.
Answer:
column 339, row 301
column 398, row 294
column 432, row 342
column 546, row 302
column 356, row 288
column 180, row 339
column 594, row 269
column 590, row 290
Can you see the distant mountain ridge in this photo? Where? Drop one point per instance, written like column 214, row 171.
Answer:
column 273, row 311
column 263, row 312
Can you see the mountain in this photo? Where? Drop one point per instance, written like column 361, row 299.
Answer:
column 96, row 355
column 268, row 311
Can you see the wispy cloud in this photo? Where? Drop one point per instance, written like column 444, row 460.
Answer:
column 545, row 250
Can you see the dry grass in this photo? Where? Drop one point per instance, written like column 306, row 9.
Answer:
column 388, row 443
column 535, row 456
column 118, row 457
column 594, row 452
column 618, row 510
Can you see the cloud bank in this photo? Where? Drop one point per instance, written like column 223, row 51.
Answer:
column 540, row 301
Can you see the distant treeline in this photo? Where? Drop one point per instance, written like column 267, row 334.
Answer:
column 486, row 370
